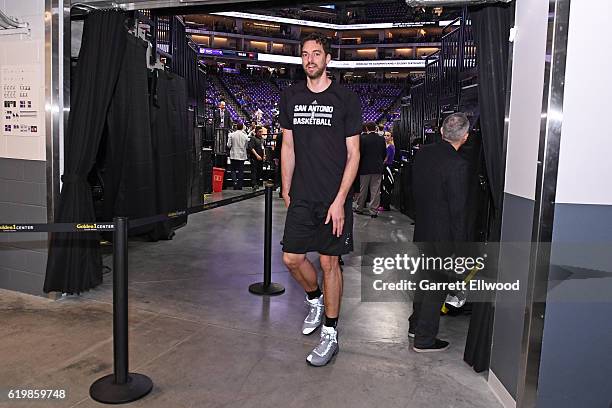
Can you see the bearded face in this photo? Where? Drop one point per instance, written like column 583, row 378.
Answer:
column 314, row 59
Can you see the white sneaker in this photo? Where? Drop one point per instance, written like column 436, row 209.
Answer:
column 326, row 349
column 313, row 320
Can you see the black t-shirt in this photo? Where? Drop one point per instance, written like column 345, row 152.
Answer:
column 320, row 122
column 257, row 144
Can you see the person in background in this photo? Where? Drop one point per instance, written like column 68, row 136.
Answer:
column 258, row 115
column 256, row 156
column 440, row 181
column 221, row 117
column 237, row 143
column 251, row 131
column 373, row 153
column 267, row 138
column 387, row 180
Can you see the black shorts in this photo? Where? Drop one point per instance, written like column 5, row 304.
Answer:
column 306, row 231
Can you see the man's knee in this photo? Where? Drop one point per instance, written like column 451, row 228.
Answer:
column 293, row 261
column 328, row 263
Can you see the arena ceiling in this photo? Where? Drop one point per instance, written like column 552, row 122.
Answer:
column 157, row 4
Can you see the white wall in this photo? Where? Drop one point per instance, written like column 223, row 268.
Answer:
column 24, row 50
column 526, row 97
column 585, row 155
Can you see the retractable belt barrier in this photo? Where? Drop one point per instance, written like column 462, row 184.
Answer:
column 123, row 387
column 59, row 227
column 110, row 225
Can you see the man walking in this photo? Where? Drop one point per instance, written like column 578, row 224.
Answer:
column 321, row 122
column 237, row 143
column 441, row 182
column 373, row 152
column 257, row 156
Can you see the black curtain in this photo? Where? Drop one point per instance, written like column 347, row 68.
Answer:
column 172, row 148
column 74, row 263
column 491, row 27
column 129, row 176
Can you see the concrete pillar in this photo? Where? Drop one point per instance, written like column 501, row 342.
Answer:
column 557, row 213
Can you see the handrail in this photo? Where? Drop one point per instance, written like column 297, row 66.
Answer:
column 451, row 24
column 450, row 33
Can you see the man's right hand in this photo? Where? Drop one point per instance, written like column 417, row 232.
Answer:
column 287, row 199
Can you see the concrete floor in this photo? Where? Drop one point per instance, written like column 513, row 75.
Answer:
column 207, row 342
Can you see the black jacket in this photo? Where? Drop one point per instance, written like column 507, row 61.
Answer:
column 373, row 151
column 257, row 144
column 440, row 181
column 217, row 118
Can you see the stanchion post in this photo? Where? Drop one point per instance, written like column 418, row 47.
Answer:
column 120, row 300
column 121, row 387
column 268, row 237
column 267, row 287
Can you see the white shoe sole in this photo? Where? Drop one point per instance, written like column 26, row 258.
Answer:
column 306, row 332
column 419, row 350
column 328, row 361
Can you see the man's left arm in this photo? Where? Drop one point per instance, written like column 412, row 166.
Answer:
column 336, row 210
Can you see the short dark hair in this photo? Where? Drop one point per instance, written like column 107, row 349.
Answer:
column 370, row 127
column 258, row 128
column 319, row 38
column 239, row 126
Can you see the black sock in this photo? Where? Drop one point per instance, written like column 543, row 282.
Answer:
column 331, row 321
column 314, row 294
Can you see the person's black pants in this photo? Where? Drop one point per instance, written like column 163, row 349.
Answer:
column 237, row 171
column 426, row 306
column 256, row 171
column 425, row 318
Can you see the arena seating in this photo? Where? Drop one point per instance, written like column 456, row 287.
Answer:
column 213, row 97
column 376, row 98
column 283, row 83
column 255, row 91
column 252, row 92
column 388, row 119
column 379, row 12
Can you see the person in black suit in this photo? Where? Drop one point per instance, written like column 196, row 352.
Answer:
column 221, row 117
column 440, row 186
column 373, row 152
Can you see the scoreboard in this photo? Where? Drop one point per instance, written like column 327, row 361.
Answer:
column 215, row 52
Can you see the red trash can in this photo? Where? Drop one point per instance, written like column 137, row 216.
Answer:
column 218, row 175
